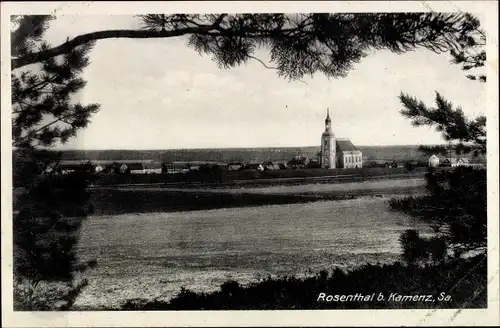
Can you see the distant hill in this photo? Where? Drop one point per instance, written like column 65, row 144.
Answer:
column 399, row 153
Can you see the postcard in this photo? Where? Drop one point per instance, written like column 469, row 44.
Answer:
column 273, row 163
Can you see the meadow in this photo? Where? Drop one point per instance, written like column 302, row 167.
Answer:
column 152, row 256
column 147, row 198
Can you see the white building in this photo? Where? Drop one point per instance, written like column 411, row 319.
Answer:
column 463, row 162
column 98, row 168
column 455, row 162
column 348, row 156
column 336, row 152
column 433, row 161
column 152, row 168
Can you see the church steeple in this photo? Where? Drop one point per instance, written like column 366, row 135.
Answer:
column 328, row 145
column 328, row 121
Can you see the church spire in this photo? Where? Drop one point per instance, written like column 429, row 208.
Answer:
column 328, row 121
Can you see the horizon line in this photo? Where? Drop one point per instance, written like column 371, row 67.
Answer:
column 227, row 148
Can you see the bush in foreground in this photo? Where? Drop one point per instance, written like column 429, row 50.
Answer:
column 463, row 280
column 455, row 205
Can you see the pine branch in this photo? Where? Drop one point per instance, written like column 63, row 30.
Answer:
column 346, row 36
column 269, row 67
column 34, row 132
column 452, row 123
column 42, row 84
column 109, row 34
column 263, row 64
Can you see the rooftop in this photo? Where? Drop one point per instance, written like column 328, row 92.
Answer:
column 345, row 145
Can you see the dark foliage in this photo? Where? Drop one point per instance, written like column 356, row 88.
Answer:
column 472, row 55
column 464, row 280
column 467, row 135
column 416, row 248
column 298, row 44
column 28, row 164
column 205, row 174
column 413, row 247
column 46, row 225
column 48, row 213
column 61, row 298
column 456, row 201
column 42, row 111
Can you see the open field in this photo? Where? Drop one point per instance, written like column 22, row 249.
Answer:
column 151, row 197
column 143, row 199
column 152, row 255
column 287, row 181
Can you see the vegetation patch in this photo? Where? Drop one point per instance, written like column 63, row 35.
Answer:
column 464, row 281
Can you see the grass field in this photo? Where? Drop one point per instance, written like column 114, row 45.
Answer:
column 144, row 199
column 152, row 255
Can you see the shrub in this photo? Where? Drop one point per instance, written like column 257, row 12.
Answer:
column 416, row 248
column 413, row 246
column 464, row 280
column 456, row 200
column 48, row 213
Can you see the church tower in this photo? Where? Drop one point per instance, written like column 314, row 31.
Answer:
column 328, row 144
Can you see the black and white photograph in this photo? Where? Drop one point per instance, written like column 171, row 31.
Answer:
column 197, row 158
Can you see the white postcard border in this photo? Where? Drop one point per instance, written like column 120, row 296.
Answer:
column 465, row 317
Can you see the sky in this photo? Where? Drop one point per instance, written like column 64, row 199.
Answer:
column 161, row 94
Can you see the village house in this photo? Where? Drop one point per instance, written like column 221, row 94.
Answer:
column 455, row 162
column 298, row 162
column 282, row 164
column 433, row 161
column 99, row 168
column 70, row 166
column 253, row 167
column 152, row 168
column 135, row 168
column 314, row 164
column 268, row 166
column 463, row 162
column 196, row 165
column 395, row 164
column 175, row 167
column 380, row 163
column 234, row 166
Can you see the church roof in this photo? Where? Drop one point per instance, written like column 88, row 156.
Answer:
column 345, row 145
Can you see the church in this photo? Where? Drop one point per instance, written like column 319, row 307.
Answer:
column 337, row 152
